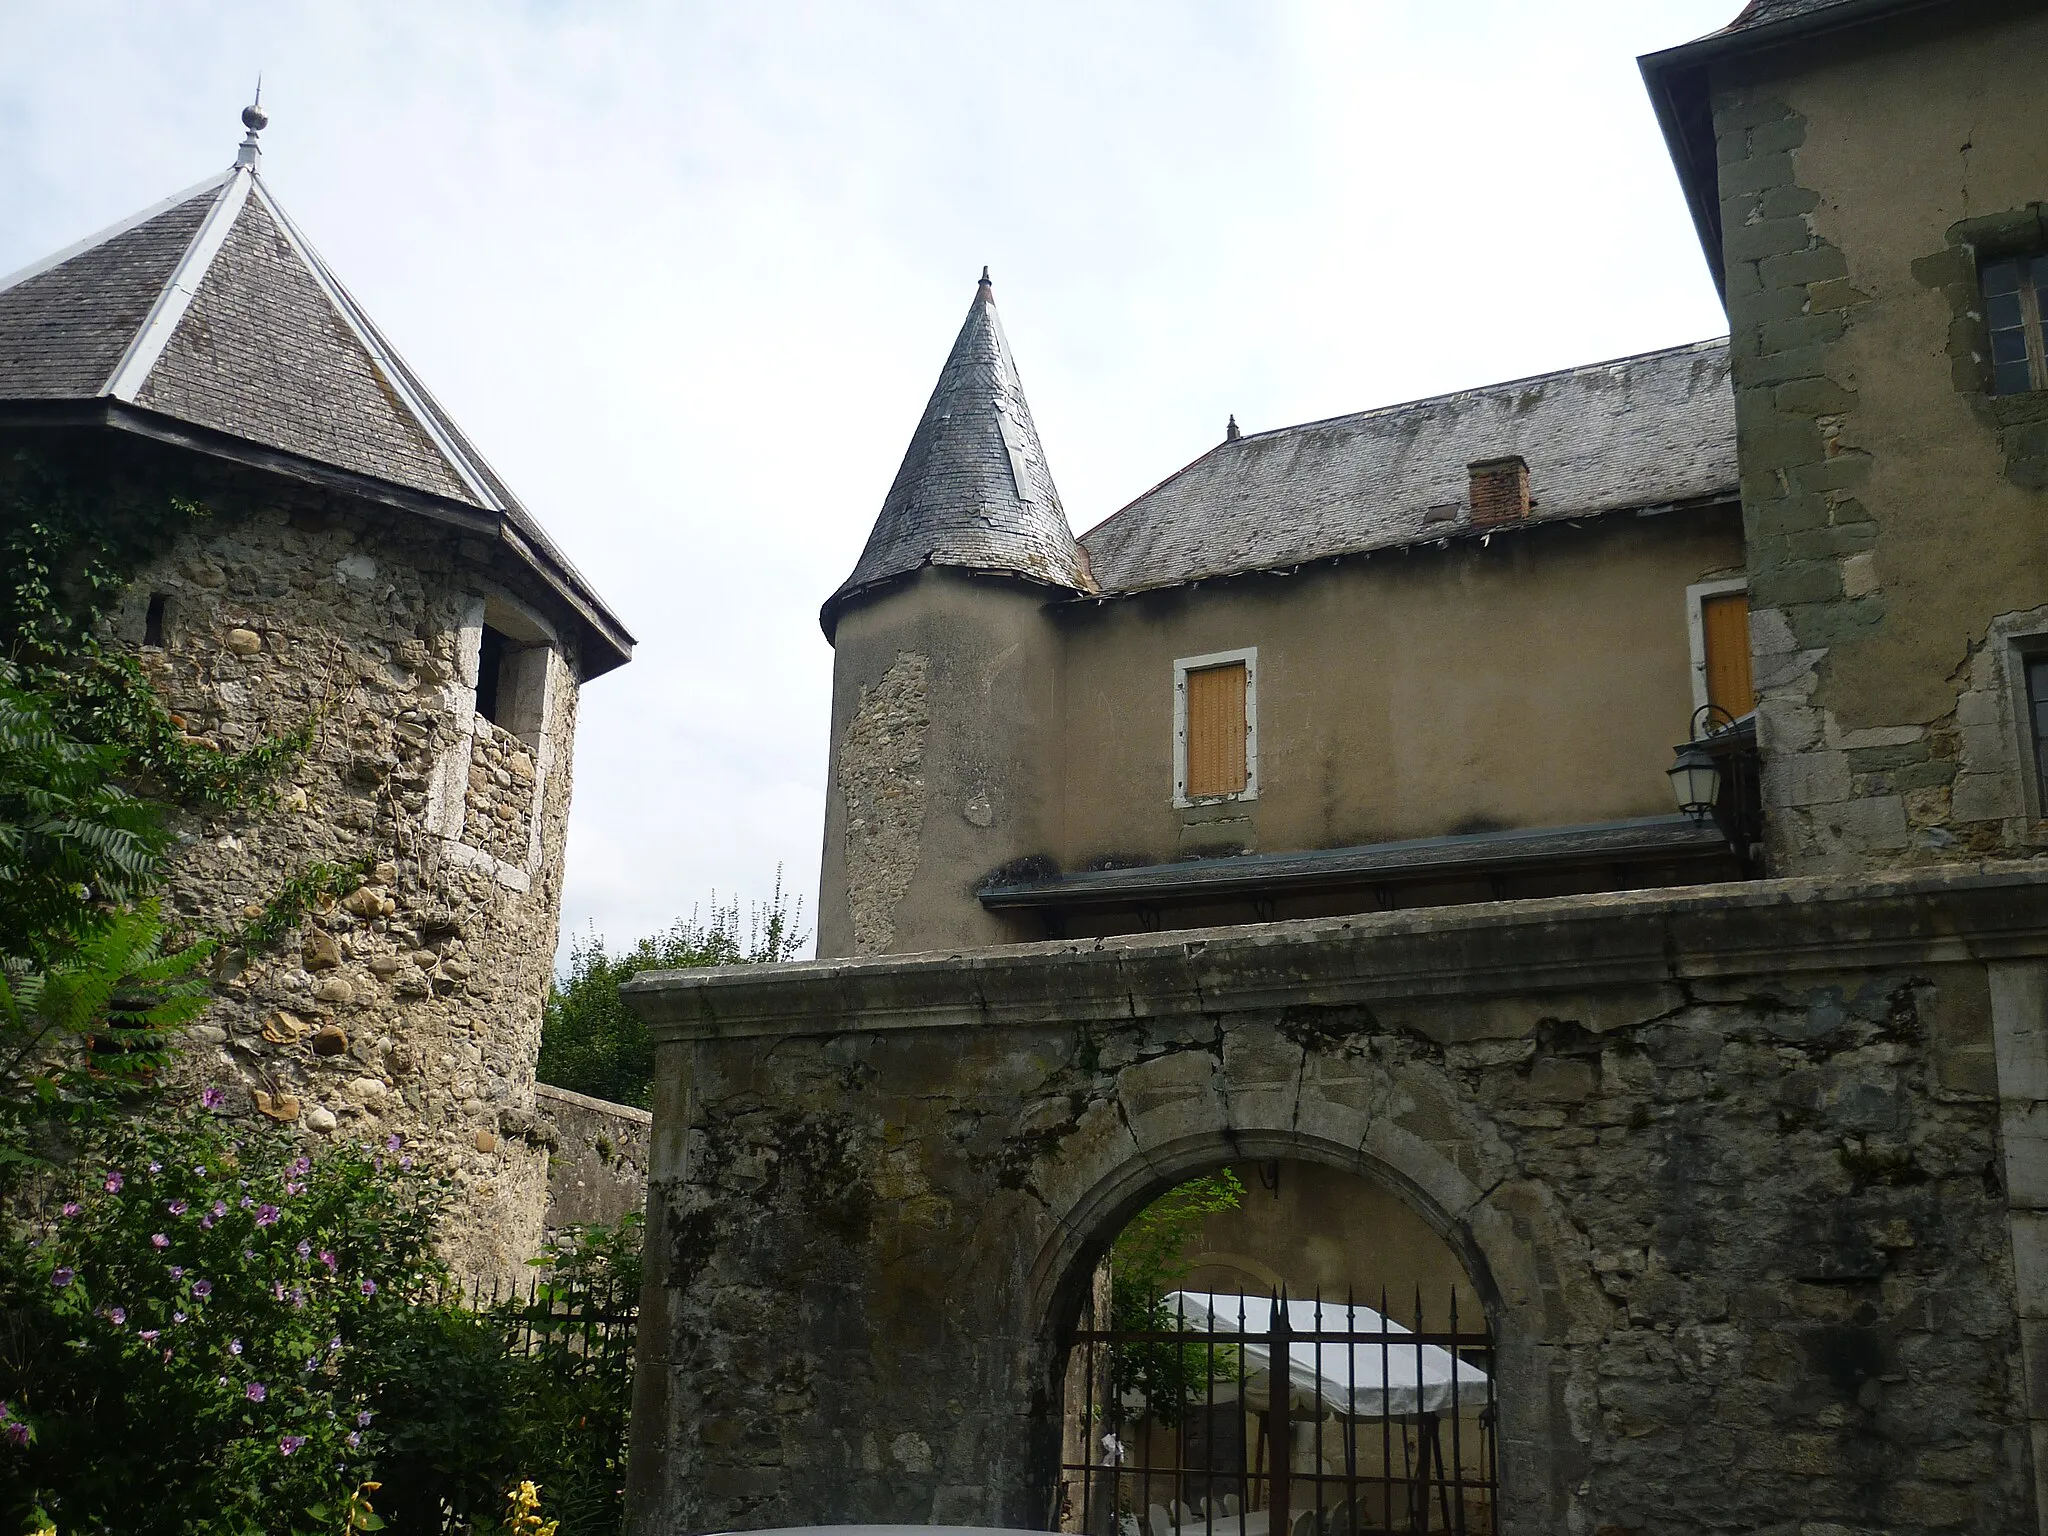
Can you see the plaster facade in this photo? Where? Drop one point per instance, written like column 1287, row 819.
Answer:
column 1894, row 507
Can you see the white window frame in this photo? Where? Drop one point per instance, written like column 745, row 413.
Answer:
column 1182, row 666
column 1696, row 597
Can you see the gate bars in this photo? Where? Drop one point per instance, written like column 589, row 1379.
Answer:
column 1381, row 1429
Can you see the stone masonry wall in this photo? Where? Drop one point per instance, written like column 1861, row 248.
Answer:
column 1891, row 503
column 597, row 1167
column 412, row 1005
column 1727, row 1168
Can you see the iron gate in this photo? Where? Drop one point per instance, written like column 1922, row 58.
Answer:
column 1179, row 1427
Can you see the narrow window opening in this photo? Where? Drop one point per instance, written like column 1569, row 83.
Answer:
column 2037, row 722
column 490, row 665
column 2014, row 292
column 153, row 621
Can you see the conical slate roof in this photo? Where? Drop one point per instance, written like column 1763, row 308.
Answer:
column 212, row 311
column 974, row 489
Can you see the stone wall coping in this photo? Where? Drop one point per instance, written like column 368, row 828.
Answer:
column 1671, row 937
column 585, row 1101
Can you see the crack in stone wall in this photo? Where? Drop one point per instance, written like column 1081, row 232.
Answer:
column 881, row 776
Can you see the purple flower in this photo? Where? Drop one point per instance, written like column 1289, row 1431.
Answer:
column 363, row 1418
column 117, row 1315
column 114, row 1183
column 177, row 1271
column 327, row 1258
column 62, row 1277
column 277, row 1290
column 312, row 1362
column 248, row 1255
column 302, row 1164
column 158, row 1240
column 289, row 1443
column 405, row 1162
column 177, row 1207
column 72, row 1207
column 206, row 1222
column 177, row 1317
column 245, row 1202
column 298, row 1297
column 220, row 1207
column 354, row 1440
column 200, row 1169
column 305, row 1248
column 156, row 1167
column 148, row 1335
column 266, row 1216
column 334, row 1343
column 202, row 1289
column 256, row 1392
column 16, row 1432
column 369, row 1287
column 394, row 1141
column 234, row 1346
column 213, row 1098
column 294, row 1186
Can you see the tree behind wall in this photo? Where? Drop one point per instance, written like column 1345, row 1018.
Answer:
column 592, row 1043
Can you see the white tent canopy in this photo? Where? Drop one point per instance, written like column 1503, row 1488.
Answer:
column 1357, row 1381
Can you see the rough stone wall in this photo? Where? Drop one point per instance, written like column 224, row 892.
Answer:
column 1890, row 500
column 412, row 1006
column 1727, row 1168
column 597, row 1166
column 881, row 778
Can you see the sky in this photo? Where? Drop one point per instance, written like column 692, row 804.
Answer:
column 686, row 273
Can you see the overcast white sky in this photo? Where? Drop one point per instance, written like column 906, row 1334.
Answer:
column 687, row 272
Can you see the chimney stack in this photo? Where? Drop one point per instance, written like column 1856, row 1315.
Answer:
column 1500, row 491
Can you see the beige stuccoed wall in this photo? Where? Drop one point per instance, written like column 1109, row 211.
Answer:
column 945, row 692
column 1538, row 680
column 1897, row 530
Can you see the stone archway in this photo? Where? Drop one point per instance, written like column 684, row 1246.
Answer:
column 1671, row 1136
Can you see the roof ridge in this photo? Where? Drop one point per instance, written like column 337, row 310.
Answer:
column 1420, row 402
column 113, row 231
column 180, row 288
column 463, row 458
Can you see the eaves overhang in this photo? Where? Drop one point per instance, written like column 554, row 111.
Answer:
column 1478, row 855
column 606, row 643
column 1679, row 80
column 850, row 597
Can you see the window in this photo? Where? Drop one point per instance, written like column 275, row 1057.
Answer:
column 2037, row 723
column 512, row 671
column 153, row 620
column 1717, row 614
column 2013, row 293
column 1216, row 727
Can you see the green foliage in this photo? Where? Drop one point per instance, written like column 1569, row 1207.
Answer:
column 591, row 1043
column 299, row 895
column 1147, row 1260
column 192, row 1344
column 88, row 1035
column 213, row 1334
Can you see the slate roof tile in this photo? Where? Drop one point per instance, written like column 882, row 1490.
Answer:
column 974, row 489
column 1640, row 431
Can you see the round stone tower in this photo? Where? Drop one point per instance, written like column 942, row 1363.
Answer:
column 946, row 670
column 358, row 566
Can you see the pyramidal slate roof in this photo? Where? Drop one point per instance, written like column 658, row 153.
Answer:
column 1653, row 430
column 213, row 311
column 974, row 490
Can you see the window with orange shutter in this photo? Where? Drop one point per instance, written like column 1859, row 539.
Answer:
column 1724, row 625
column 1216, row 727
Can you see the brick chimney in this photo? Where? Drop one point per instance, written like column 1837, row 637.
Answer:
column 1500, row 491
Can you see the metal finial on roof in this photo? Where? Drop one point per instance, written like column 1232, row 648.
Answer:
column 985, row 290
column 1231, row 433
column 255, row 119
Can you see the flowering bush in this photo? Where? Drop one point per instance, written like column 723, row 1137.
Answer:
column 193, row 1343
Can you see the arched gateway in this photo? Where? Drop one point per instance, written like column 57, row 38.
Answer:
column 1724, row 1167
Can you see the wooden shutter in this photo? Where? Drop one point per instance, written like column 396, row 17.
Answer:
column 1216, row 731
column 1725, row 622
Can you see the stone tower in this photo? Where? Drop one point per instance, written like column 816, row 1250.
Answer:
column 945, row 668
column 360, row 566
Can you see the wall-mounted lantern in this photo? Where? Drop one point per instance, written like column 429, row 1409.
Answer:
column 1696, row 781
